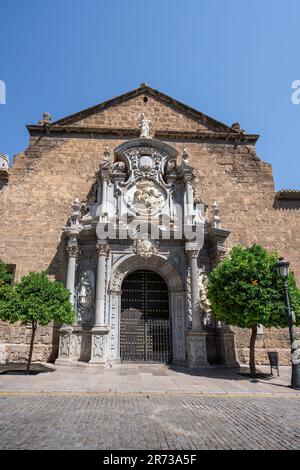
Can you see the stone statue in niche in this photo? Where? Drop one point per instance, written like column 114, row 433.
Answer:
column 86, row 297
column 205, row 303
column 145, row 127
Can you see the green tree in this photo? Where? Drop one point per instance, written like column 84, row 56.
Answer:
column 36, row 300
column 245, row 291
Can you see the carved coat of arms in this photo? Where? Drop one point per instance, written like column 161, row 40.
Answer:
column 148, row 195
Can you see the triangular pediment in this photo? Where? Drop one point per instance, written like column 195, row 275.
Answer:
column 165, row 113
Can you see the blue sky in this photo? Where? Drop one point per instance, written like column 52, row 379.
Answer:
column 234, row 60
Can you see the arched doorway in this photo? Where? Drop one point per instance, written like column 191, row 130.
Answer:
column 145, row 329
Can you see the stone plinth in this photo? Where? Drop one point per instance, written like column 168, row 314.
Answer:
column 227, row 347
column 66, row 345
column 196, row 343
column 98, row 346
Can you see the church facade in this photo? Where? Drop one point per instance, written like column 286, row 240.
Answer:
column 131, row 204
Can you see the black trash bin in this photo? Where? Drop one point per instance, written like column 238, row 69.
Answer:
column 274, row 361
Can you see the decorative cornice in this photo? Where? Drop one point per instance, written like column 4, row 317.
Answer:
column 288, row 194
column 127, row 133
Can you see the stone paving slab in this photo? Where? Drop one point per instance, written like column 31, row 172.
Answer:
column 159, row 378
column 137, row 421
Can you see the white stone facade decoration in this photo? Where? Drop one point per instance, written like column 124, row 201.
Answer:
column 148, row 196
column 102, row 249
column 86, row 294
column 4, row 163
column 205, row 304
column 145, row 126
column 142, row 191
column 66, row 342
column 145, row 248
column 215, row 211
column 73, row 249
column 185, row 155
column 197, row 355
column 46, row 119
column 98, row 346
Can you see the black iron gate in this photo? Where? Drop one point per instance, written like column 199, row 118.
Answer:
column 145, row 332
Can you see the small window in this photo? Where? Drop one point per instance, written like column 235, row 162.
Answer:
column 11, row 269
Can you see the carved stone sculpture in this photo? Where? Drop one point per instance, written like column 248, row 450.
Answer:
column 145, row 248
column 145, row 127
column 119, row 167
column 148, row 195
column 205, row 303
column 216, row 220
column 46, row 119
column 85, row 297
column 75, row 212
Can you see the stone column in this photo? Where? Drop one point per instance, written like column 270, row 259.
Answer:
column 104, row 196
column 66, row 337
column 189, row 200
column 73, row 251
column 197, row 355
column 100, row 329
column 196, row 319
column 102, row 250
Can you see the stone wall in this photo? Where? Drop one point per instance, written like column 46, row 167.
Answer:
column 54, row 169
column 273, row 339
column 15, row 342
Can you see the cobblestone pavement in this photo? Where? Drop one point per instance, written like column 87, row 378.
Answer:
column 153, row 421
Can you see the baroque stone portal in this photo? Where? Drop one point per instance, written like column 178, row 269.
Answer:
column 143, row 216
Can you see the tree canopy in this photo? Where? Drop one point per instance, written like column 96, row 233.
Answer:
column 244, row 289
column 36, row 298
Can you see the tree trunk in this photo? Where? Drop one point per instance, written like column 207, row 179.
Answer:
column 252, row 350
column 34, row 326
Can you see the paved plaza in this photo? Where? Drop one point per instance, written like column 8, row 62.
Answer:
column 148, row 407
column 156, row 421
column 132, row 378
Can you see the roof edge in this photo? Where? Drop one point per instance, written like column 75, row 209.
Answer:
column 35, row 129
column 144, row 89
column 288, row 194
